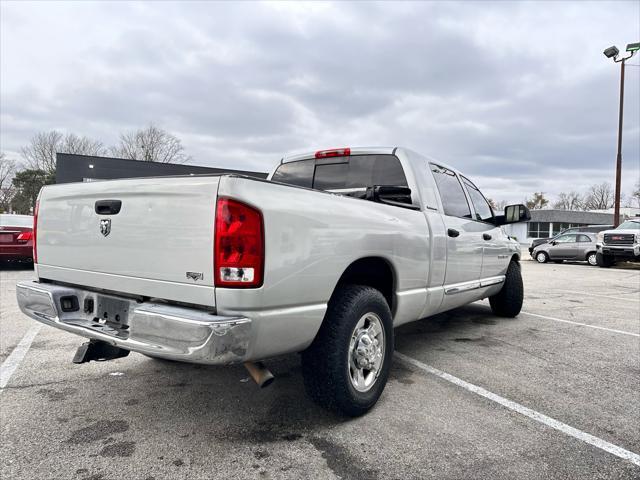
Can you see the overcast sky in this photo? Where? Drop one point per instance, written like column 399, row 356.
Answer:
column 517, row 95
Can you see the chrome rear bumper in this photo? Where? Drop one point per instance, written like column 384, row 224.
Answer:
column 156, row 329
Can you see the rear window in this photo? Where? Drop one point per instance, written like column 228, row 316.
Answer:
column 357, row 171
column 295, row 173
column 16, row 221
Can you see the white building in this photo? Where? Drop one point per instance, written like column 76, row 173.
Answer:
column 547, row 223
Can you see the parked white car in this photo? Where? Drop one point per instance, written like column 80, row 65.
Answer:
column 325, row 258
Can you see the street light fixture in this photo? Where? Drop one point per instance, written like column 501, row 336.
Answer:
column 613, row 52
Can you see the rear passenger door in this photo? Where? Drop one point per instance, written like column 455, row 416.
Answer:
column 464, row 240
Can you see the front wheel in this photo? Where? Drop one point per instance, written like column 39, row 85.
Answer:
column 508, row 301
column 346, row 367
column 542, row 257
column 604, row 261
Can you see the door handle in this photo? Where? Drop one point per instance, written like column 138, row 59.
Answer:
column 486, row 236
column 452, row 232
column 108, row 207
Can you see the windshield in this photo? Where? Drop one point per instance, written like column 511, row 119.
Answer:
column 629, row 225
column 16, row 220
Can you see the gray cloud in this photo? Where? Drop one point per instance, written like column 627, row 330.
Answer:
column 516, row 94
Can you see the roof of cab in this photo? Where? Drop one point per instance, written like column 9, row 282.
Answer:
column 354, row 151
column 412, row 154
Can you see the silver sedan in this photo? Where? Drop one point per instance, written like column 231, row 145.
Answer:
column 571, row 246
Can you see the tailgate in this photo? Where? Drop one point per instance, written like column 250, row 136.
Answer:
column 159, row 244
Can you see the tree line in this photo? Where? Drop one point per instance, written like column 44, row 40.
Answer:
column 22, row 179
column 599, row 196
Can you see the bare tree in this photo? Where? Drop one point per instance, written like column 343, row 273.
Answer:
column 537, row 201
column 7, row 171
column 569, row 201
column 497, row 206
column 40, row 154
column 634, row 200
column 599, row 197
column 151, row 144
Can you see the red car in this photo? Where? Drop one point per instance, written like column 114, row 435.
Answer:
column 16, row 238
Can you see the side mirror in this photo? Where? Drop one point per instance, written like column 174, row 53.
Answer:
column 553, row 242
column 391, row 195
column 513, row 214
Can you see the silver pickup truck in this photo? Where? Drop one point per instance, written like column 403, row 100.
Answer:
column 324, row 258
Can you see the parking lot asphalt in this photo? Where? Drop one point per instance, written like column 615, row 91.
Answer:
column 472, row 395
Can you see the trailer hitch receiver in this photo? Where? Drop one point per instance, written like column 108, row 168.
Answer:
column 99, row 351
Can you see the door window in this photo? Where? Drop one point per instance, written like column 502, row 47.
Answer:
column 571, row 238
column 454, row 201
column 584, row 238
column 484, row 213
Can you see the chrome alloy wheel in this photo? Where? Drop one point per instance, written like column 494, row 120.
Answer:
column 366, row 352
column 541, row 257
column 592, row 259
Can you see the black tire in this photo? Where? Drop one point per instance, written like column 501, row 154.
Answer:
column 592, row 258
column 508, row 301
column 325, row 364
column 604, row 261
column 542, row 257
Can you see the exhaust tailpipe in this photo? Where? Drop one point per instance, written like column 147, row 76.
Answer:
column 260, row 374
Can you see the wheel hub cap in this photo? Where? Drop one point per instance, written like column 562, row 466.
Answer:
column 366, row 352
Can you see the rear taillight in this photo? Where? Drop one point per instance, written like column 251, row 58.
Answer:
column 239, row 245
column 24, row 237
column 335, row 152
column 35, row 231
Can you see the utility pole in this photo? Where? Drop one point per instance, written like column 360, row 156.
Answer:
column 616, row 205
column 613, row 52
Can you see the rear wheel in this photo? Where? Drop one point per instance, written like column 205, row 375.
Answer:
column 604, row 261
column 346, row 367
column 508, row 301
column 542, row 257
column 592, row 258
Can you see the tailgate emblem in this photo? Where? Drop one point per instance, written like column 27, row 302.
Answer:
column 195, row 276
column 105, row 226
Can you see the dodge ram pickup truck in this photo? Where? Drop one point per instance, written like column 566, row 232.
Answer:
column 325, row 257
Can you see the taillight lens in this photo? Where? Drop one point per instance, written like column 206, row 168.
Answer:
column 24, row 237
column 335, row 152
column 35, row 231
column 239, row 245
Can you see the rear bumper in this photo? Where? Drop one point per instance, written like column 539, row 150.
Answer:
column 16, row 252
column 156, row 329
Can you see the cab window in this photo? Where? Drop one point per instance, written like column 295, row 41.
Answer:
column 358, row 171
column 484, row 213
column 454, row 201
column 298, row 173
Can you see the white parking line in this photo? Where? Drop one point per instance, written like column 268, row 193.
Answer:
column 527, row 412
column 613, row 330
column 10, row 364
column 629, row 299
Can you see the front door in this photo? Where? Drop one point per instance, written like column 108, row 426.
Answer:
column 495, row 252
column 464, row 241
column 564, row 247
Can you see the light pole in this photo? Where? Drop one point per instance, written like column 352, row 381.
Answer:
column 613, row 52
